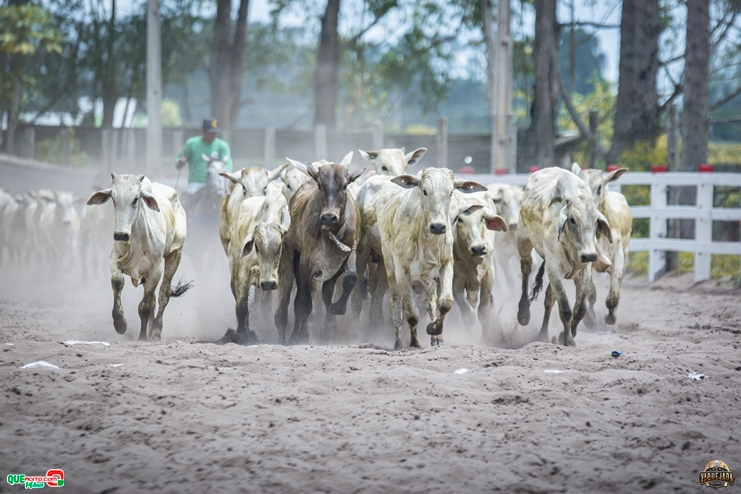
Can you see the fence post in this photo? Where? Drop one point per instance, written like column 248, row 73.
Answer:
column 377, row 134
column 29, row 138
column 270, row 147
column 442, row 142
column 593, row 138
column 656, row 258
column 66, row 146
column 672, row 144
column 130, row 139
column 114, row 151
column 704, row 231
column 320, row 142
column 105, row 150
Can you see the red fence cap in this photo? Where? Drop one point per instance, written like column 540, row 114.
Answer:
column 658, row 168
column 705, row 168
column 467, row 170
column 534, row 169
column 500, row 171
column 612, row 168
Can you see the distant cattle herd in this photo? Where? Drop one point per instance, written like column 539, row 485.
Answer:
column 427, row 238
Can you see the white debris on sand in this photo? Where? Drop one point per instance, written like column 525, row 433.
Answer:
column 40, row 363
column 697, row 376
column 9, row 344
column 553, row 371
column 75, row 342
column 461, row 371
column 115, row 365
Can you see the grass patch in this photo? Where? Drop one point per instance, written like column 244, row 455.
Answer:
column 721, row 265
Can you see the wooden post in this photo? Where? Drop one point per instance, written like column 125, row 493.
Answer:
column 114, row 153
column 66, row 146
column 491, row 38
column 442, row 142
column 593, row 138
column 29, row 141
column 672, row 141
column 703, row 231
column 270, row 147
column 656, row 258
column 507, row 133
column 154, row 90
column 131, row 162
column 377, row 134
column 105, row 150
column 320, row 142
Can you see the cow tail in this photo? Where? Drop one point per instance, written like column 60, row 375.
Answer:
column 538, row 285
column 181, row 288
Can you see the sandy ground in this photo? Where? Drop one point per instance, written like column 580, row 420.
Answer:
column 180, row 416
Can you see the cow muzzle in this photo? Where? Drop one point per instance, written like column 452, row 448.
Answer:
column 329, row 219
column 512, row 227
column 269, row 285
column 124, row 237
column 478, row 251
column 437, row 228
column 588, row 258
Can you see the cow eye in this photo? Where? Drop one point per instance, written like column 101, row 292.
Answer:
column 256, row 249
column 571, row 220
column 460, row 220
column 599, row 189
column 384, row 168
column 134, row 203
column 289, row 186
column 423, row 190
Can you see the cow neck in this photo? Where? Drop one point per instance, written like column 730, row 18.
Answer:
column 140, row 229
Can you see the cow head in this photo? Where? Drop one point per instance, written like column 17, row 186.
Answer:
column 392, row 162
column 578, row 223
column 65, row 209
column 473, row 223
column 253, row 180
column 435, row 187
column 332, row 181
column 215, row 181
column 507, row 201
column 128, row 193
column 292, row 178
column 266, row 242
column 597, row 181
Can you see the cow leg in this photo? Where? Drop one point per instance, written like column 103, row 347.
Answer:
column 379, row 285
column 467, row 313
column 616, row 280
column 148, row 303
column 556, row 283
column 117, row 283
column 285, row 285
column 486, row 299
column 304, row 302
column 330, row 319
column 358, row 297
column 172, row 261
column 524, row 248
column 582, row 281
column 348, row 283
column 590, row 319
column 444, row 303
column 245, row 336
column 550, row 300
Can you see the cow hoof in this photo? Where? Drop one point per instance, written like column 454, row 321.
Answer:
column 566, row 341
column 120, row 325
column 523, row 317
column 590, row 320
column 300, row 339
column 338, row 309
column 398, row 345
column 610, row 319
column 155, row 337
column 437, row 341
column 246, row 337
column 142, row 336
column 229, row 337
column 434, row 328
column 415, row 343
column 543, row 336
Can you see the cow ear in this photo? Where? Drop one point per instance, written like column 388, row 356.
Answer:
column 312, row 171
column 603, row 226
column 615, row 174
column 368, row 155
column 498, row 197
column 576, row 169
column 150, row 201
column 247, row 246
column 406, row 181
column 140, row 177
column 495, row 223
column 414, row 157
column 471, row 209
column 355, row 175
column 276, row 173
column 285, row 219
column 231, row 176
column 468, row 187
column 298, row 165
column 113, row 176
column 562, row 217
column 346, row 160
column 99, row 197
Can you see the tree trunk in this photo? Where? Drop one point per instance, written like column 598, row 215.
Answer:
column 240, row 43
column 14, row 110
column 109, row 94
column 327, row 65
column 536, row 146
column 221, row 68
column 696, row 114
column 637, row 110
column 491, row 79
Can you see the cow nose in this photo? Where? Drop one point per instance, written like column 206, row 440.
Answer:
column 588, row 257
column 478, row 251
column 269, row 285
column 66, row 222
column 124, row 237
column 437, row 228
column 329, row 219
column 512, row 227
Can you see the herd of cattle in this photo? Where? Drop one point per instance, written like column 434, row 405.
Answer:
column 428, row 238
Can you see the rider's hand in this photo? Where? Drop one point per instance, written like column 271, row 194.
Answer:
column 181, row 162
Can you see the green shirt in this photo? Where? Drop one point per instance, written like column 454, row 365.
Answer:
column 193, row 152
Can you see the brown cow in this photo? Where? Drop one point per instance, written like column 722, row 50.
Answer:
column 324, row 233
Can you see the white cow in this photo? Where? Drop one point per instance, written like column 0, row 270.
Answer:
column 561, row 221
column 615, row 208
column 474, row 222
column 59, row 227
column 150, row 226
column 255, row 251
column 94, row 227
column 12, row 228
column 413, row 218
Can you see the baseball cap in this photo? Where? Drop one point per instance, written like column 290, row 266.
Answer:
column 211, row 125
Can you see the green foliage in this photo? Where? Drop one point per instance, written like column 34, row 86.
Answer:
column 52, row 151
column 589, row 60
column 721, row 266
column 171, row 114
column 26, row 29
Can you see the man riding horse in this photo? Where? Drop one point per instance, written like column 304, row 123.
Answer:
column 195, row 153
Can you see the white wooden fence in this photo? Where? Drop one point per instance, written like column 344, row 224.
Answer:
column 658, row 212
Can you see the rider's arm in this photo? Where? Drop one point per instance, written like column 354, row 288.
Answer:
column 182, row 158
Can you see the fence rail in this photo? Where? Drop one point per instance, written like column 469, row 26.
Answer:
column 657, row 244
